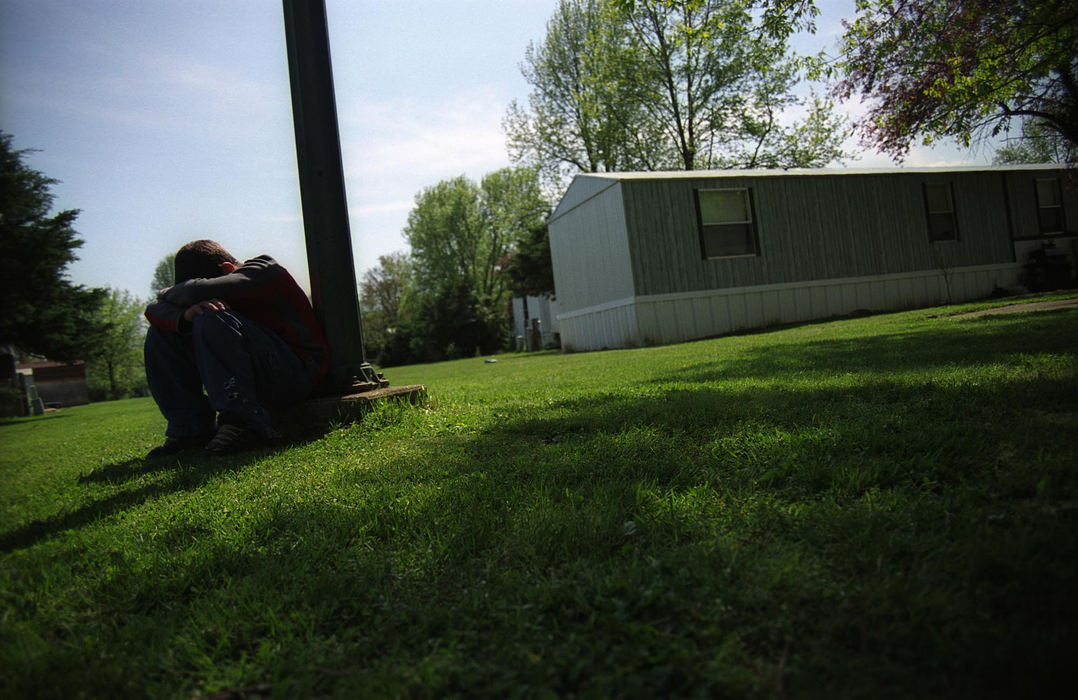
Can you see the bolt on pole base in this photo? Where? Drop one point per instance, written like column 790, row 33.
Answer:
column 368, row 379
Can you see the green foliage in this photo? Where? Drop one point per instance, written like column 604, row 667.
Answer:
column 871, row 507
column 722, row 84
column 446, row 237
column 515, row 208
column 460, row 232
column 778, row 18
column 115, row 366
column 934, row 68
column 530, row 268
column 384, row 294
column 41, row 312
column 462, row 235
column 456, row 323
column 586, row 111
column 1036, row 144
column 670, row 84
column 164, row 275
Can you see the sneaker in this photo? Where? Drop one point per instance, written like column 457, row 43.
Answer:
column 176, row 444
column 231, row 438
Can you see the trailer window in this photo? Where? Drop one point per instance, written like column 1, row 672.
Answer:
column 727, row 228
column 939, row 209
column 1049, row 206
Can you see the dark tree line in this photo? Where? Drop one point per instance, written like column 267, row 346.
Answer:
column 42, row 313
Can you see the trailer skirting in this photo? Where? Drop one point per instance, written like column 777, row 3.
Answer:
column 671, row 318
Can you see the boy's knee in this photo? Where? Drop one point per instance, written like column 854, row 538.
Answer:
column 213, row 327
column 157, row 341
column 153, row 338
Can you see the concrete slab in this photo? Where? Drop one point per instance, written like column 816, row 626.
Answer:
column 323, row 412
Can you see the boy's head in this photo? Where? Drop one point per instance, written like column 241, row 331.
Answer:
column 202, row 259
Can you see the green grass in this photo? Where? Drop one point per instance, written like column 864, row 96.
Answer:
column 881, row 507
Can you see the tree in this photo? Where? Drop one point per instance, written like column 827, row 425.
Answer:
column 941, row 68
column 1037, row 144
column 164, row 275
column 778, row 18
column 670, row 84
column 456, row 323
column 583, row 113
column 514, row 208
column 41, row 312
column 530, row 268
column 383, row 293
column 461, row 234
column 115, row 367
column 721, row 86
column 443, row 231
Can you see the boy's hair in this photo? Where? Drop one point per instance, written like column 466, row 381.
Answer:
column 201, row 259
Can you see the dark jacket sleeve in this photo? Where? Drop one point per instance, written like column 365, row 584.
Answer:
column 167, row 317
column 257, row 273
column 166, row 314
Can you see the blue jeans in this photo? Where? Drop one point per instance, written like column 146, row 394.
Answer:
column 245, row 368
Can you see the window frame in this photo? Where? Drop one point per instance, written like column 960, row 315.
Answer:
column 750, row 209
column 931, row 216
column 1062, row 214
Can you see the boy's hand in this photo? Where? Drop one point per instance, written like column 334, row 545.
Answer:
column 203, row 306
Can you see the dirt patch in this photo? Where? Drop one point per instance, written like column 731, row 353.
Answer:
column 1055, row 305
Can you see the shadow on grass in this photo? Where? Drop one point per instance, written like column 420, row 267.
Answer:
column 688, row 542
column 901, row 538
column 188, row 472
column 976, row 341
column 143, row 466
column 24, row 420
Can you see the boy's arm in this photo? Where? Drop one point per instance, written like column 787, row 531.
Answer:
column 175, row 319
column 166, row 317
column 244, row 282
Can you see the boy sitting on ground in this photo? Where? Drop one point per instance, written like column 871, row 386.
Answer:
column 246, row 333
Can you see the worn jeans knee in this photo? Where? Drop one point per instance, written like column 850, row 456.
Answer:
column 246, row 368
column 215, row 329
column 176, row 383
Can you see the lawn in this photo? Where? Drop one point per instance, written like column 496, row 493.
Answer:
column 883, row 506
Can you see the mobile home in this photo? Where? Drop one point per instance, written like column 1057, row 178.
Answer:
column 652, row 258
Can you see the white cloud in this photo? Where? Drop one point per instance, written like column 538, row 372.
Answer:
column 283, row 219
column 394, row 148
column 414, row 140
column 221, row 88
column 363, row 210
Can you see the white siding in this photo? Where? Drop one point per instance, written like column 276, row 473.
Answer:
column 672, row 318
column 581, row 189
column 590, row 253
column 600, row 328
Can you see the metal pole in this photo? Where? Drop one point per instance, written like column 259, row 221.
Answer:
column 325, row 206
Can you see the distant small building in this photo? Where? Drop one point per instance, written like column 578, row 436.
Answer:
column 663, row 257
column 58, row 383
column 533, row 315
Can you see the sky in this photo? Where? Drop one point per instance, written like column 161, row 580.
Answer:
column 166, row 121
